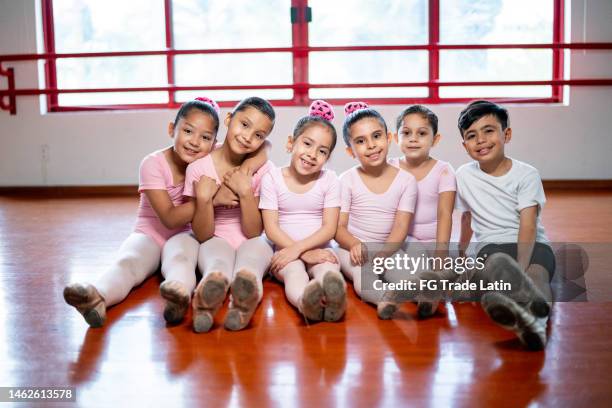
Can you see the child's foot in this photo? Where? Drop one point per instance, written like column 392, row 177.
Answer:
column 207, row 300
column 500, row 266
column 508, row 314
column 311, row 302
column 177, row 301
column 388, row 305
column 429, row 299
column 245, row 298
column 334, row 288
column 87, row 301
column 386, row 309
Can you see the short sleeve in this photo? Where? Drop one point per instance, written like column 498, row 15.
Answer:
column 257, row 177
column 345, row 193
column 268, row 194
column 460, row 204
column 192, row 174
column 151, row 174
column 408, row 198
column 448, row 181
column 531, row 191
column 332, row 193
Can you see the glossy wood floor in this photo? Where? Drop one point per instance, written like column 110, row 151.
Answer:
column 458, row 358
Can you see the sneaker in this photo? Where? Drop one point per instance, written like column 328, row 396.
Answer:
column 500, row 266
column 88, row 302
column 207, row 300
column 177, row 301
column 504, row 311
column 334, row 288
column 245, row 298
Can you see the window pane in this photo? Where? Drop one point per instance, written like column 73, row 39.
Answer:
column 234, row 69
column 364, row 22
column 346, row 67
column 496, row 21
column 496, row 65
column 374, row 92
column 496, row 92
column 111, row 72
column 204, row 24
column 236, row 95
column 97, row 26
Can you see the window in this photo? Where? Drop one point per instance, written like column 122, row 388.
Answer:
column 292, row 51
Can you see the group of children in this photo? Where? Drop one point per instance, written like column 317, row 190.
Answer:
column 206, row 205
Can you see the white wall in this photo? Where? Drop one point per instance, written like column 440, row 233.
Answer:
column 105, row 148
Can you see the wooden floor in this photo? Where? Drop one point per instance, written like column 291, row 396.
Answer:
column 458, row 358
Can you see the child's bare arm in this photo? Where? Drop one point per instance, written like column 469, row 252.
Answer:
column 446, row 203
column 255, row 160
column 465, row 235
column 526, row 235
column 171, row 216
column 345, row 239
column 398, row 234
column 203, row 224
column 274, row 231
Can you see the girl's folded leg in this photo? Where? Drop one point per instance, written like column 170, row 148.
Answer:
column 333, row 284
column 252, row 261
column 354, row 273
column 179, row 260
column 137, row 258
column 216, row 261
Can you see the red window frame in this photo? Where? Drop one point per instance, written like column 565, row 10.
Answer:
column 300, row 51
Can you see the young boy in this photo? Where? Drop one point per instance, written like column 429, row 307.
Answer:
column 502, row 199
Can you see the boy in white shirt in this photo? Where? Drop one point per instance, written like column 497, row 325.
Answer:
column 502, row 199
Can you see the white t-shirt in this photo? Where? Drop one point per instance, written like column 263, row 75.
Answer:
column 496, row 202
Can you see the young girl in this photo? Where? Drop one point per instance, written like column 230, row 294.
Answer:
column 378, row 199
column 162, row 214
column 417, row 133
column 232, row 249
column 300, row 205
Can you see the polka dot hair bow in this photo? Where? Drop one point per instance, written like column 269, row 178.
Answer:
column 209, row 101
column 321, row 109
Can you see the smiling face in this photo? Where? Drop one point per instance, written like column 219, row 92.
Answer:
column 415, row 137
column 484, row 140
column 310, row 150
column 369, row 142
column 194, row 136
column 246, row 130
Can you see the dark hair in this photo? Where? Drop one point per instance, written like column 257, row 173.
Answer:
column 258, row 103
column 421, row 110
column 203, row 107
column 355, row 117
column 478, row 109
column 307, row 122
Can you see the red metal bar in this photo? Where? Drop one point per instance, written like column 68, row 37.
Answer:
column 52, row 55
column 557, row 91
column 571, row 82
column 169, row 46
column 299, row 34
column 49, row 41
column 434, row 52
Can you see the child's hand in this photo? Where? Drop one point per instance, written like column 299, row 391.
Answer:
column 225, row 198
column 238, row 182
column 318, row 256
column 205, row 188
column 357, row 255
column 283, row 257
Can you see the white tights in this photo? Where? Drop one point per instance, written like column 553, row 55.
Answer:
column 139, row 257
